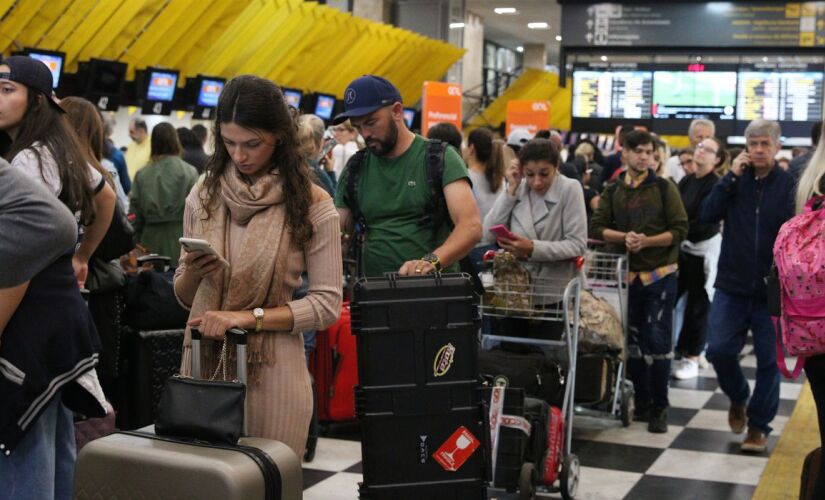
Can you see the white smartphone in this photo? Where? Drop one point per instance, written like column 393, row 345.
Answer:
column 193, row 244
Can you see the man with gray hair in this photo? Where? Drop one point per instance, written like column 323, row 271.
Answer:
column 754, row 199
column 699, row 130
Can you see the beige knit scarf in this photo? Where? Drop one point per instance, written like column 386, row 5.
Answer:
column 255, row 277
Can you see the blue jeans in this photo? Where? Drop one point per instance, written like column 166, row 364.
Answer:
column 42, row 465
column 650, row 341
column 730, row 318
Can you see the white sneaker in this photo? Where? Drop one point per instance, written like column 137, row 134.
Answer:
column 688, row 369
column 675, row 366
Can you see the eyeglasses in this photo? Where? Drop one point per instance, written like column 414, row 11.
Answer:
column 708, row 149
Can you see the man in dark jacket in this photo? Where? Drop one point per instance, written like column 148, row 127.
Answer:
column 754, row 199
column 644, row 214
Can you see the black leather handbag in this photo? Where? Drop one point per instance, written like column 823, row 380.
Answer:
column 119, row 238
column 206, row 410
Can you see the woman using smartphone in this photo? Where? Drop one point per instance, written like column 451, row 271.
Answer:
column 259, row 210
column 546, row 214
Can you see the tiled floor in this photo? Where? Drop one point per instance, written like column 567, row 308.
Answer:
column 697, row 458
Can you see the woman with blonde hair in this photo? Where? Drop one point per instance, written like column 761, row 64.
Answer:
column 348, row 144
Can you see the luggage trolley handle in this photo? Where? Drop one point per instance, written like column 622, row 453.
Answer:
column 236, row 335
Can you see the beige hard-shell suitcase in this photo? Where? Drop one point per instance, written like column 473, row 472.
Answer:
column 140, row 465
column 131, row 466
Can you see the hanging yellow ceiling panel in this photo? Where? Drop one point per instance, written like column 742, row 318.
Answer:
column 172, row 30
column 293, row 42
column 16, row 21
column 213, row 22
column 87, row 30
column 41, row 23
column 286, row 22
column 118, row 32
column 69, row 20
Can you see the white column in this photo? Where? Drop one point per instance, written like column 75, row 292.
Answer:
column 535, row 56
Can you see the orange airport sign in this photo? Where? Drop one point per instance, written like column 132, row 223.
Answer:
column 530, row 115
column 441, row 103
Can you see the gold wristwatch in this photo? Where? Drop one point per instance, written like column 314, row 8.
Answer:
column 433, row 260
column 259, row 319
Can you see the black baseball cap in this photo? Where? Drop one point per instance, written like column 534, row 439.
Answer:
column 365, row 95
column 33, row 74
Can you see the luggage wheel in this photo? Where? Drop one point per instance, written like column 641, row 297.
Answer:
column 627, row 408
column 527, row 481
column 569, row 481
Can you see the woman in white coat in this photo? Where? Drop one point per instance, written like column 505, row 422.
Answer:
column 545, row 212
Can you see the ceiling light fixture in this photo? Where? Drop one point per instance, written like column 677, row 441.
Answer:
column 519, row 49
column 558, row 38
column 604, row 58
column 538, row 26
column 505, row 10
column 455, row 26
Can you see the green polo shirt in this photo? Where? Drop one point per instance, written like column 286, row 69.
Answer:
column 393, row 195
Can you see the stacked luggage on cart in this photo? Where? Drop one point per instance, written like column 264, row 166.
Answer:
column 423, row 422
column 532, row 371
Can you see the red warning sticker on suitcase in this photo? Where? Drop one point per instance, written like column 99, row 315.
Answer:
column 456, row 450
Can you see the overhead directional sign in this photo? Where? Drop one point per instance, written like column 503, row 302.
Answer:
column 710, row 24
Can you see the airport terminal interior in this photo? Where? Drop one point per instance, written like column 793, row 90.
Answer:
column 691, row 79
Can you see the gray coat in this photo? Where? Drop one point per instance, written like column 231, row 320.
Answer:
column 559, row 231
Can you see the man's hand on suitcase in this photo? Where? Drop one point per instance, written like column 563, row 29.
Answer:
column 202, row 264
column 416, row 268
column 214, row 324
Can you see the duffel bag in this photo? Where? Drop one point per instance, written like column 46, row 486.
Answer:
column 531, row 371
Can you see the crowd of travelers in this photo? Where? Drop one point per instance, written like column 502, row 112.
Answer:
column 282, row 203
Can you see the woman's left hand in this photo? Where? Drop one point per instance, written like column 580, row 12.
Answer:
column 521, row 247
column 214, row 324
column 81, row 270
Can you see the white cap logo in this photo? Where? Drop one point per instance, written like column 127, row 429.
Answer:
column 350, row 96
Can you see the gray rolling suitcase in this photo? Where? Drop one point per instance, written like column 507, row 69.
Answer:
column 133, row 465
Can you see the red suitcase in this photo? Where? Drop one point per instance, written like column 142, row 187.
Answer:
column 334, row 367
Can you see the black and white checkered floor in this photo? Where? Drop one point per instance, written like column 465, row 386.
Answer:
column 697, row 458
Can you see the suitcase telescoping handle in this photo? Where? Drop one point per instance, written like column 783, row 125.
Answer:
column 236, row 335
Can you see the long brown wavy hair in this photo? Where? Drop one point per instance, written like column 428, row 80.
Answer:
column 88, row 125
column 258, row 104
column 46, row 126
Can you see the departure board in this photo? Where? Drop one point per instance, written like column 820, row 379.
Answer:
column 612, row 94
column 779, row 95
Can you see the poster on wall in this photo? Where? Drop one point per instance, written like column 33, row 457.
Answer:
column 530, row 115
column 705, row 24
column 441, row 103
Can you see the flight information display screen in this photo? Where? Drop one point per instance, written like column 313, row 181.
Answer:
column 695, row 93
column 779, row 94
column 612, row 93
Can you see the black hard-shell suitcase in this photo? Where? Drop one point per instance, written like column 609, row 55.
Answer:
column 137, row 465
column 810, row 473
column 150, row 357
column 417, row 341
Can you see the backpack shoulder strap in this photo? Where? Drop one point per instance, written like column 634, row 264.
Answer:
column 663, row 188
column 435, row 178
column 353, row 173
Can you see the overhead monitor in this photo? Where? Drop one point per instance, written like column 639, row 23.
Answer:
column 54, row 61
column 611, row 93
column 697, row 92
column 409, row 117
column 784, row 95
column 209, row 90
column 161, row 85
column 293, row 97
column 104, row 83
column 324, row 106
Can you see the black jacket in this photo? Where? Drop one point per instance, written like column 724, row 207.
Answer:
column 48, row 344
column 753, row 211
